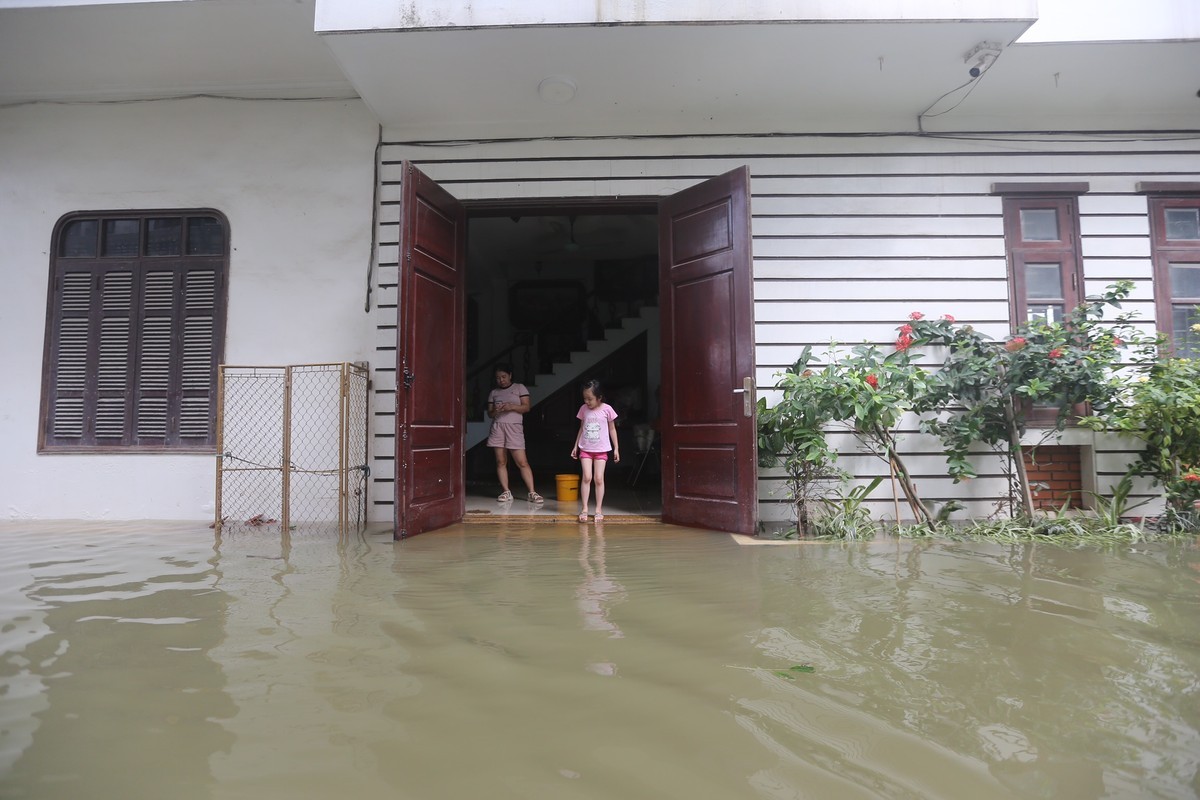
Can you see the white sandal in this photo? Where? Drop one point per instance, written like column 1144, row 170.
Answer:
column 534, row 497
column 505, row 497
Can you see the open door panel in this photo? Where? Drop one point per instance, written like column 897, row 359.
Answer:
column 430, row 416
column 709, row 435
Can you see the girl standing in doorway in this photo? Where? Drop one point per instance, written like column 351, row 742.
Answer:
column 597, row 435
column 506, row 405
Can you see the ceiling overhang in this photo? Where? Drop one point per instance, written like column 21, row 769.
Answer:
column 673, row 79
column 856, row 73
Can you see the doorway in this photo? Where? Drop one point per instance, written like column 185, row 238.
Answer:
column 564, row 293
column 706, row 389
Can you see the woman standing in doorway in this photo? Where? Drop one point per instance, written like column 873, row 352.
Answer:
column 597, row 435
column 506, row 405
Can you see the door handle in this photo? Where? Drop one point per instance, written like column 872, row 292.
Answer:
column 747, row 393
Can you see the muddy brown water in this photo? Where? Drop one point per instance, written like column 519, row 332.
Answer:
column 558, row 661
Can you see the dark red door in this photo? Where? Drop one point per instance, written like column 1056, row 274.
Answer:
column 709, row 437
column 429, row 357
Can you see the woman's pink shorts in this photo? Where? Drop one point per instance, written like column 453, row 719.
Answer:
column 509, row 435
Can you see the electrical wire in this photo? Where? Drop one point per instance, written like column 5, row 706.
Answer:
column 973, row 82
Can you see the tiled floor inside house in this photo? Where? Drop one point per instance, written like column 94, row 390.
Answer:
column 621, row 502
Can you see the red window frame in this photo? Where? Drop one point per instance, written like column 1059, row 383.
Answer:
column 1064, row 250
column 1165, row 252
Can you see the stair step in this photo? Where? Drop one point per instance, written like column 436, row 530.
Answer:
column 546, row 383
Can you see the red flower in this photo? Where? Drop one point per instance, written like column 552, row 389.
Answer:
column 1014, row 344
column 1117, row 341
column 906, row 329
column 872, row 381
column 947, row 318
column 1192, row 477
column 916, row 315
column 904, row 342
column 1055, row 353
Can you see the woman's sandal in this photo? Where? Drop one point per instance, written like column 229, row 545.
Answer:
column 583, row 517
column 534, row 497
column 599, row 518
column 504, row 497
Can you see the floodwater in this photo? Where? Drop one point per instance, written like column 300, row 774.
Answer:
column 562, row 661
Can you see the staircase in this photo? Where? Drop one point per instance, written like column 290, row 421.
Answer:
column 580, row 363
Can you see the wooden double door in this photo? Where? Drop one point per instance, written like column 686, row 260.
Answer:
column 708, row 428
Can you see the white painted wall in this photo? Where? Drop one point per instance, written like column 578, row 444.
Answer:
column 295, row 181
column 851, row 234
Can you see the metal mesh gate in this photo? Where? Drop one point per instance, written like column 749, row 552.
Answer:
column 292, row 446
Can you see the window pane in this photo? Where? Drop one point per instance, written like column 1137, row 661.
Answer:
column 1043, row 281
column 1183, row 223
column 206, row 236
column 1186, row 341
column 120, row 238
column 1039, row 225
column 1185, row 280
column 164, row 237
column 79, row 239
column 1048, row 312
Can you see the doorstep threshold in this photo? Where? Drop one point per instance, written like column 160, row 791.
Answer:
column 490, row 518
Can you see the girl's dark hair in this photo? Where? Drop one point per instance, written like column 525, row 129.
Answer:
column 594, row 385
column 503, row 366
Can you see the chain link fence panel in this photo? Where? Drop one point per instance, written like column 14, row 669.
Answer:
column 292, row 446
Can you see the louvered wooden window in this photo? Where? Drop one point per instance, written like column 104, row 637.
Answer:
column 135, row 331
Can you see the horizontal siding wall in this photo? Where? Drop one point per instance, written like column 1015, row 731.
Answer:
column 851, row 234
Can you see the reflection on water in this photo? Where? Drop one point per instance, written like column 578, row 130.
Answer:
column 570, row 661
column 597, row 592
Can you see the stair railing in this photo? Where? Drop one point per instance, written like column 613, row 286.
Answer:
column 527, row 351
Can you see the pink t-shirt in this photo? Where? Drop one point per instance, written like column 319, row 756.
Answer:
column 512, row 394
column 595, row 437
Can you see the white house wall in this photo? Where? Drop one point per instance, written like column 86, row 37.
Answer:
column 295, row 181
column 851, row 234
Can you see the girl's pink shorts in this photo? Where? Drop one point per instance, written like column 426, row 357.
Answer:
column 593, row 456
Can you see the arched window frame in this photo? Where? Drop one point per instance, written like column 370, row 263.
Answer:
column 135, row 329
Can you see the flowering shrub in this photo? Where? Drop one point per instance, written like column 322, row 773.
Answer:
column 984, row 393
column 1162, row 410
column 865, row 390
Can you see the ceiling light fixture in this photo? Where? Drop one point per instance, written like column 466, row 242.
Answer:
column 556, row 90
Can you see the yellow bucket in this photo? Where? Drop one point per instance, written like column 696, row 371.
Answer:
column 567, row 487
